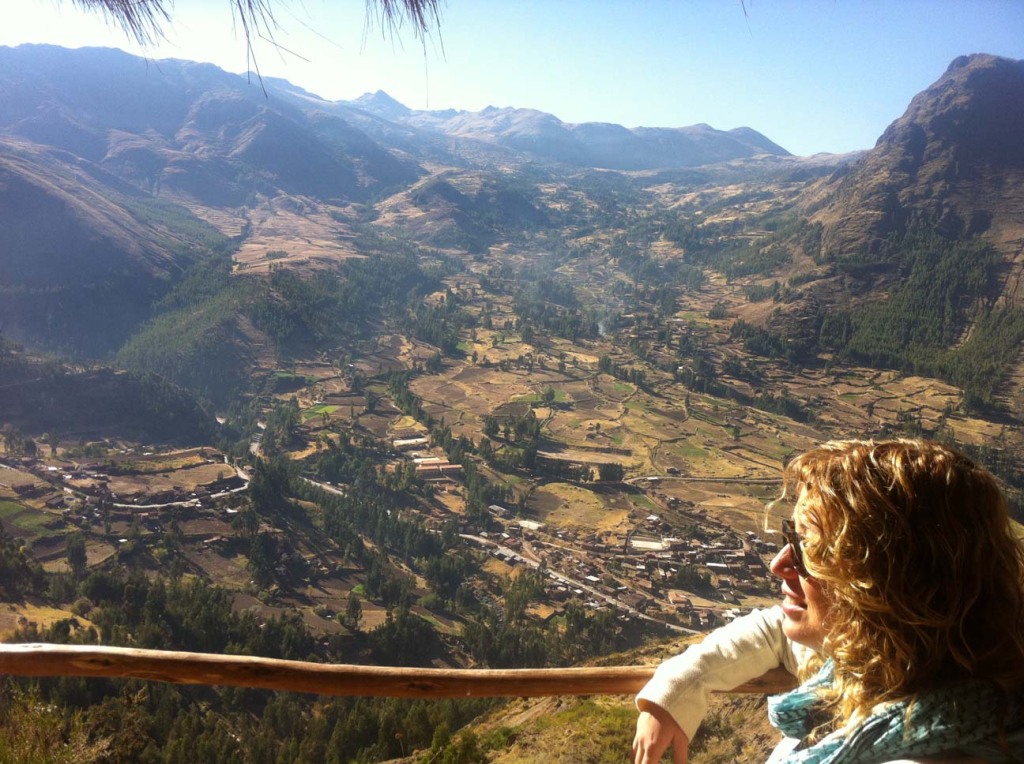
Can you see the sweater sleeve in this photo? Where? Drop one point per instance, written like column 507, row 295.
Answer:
column 733, row 654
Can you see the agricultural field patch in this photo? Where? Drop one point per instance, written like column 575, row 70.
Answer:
column 496, row 568
column 188, row 479
column 129, row 460
column 13, row 615
column 204, row 527
column 225, row 569
column 377, row 422
column 26, row 522
column 563, row 505
column 977, row 431
column 320, row 410
column 293, row 232
column 10, row 477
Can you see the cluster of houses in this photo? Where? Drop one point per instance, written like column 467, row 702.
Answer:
column 640, row 574
column 30, row 480
column 82, row 496
column 430, row 467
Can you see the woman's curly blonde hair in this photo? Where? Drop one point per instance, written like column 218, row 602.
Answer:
column 913, row 546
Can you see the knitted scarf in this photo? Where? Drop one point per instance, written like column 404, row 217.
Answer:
column 971, row 718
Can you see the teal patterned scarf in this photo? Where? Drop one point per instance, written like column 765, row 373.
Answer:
column 971, row 718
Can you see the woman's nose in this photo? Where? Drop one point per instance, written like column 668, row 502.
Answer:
column 782, row 564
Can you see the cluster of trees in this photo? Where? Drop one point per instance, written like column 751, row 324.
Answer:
column 720, row 246
column 547, row 299
column 630, row 374
column 770, row 344
column 507, row 637
column 919, row 328
column 632, row 252
column 281, row 427
column 438, row 324
column 15, row 442
column 19, row 574
column 194, row 339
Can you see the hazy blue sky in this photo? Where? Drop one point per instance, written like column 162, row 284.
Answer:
column 817, row 75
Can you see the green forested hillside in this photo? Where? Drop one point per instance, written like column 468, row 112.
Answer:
column 213, row 326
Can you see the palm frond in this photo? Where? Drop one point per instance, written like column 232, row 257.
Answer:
column 140, row 19
column 422, row 14
column 144, row 20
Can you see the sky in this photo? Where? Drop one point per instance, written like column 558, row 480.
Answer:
column 812, row 75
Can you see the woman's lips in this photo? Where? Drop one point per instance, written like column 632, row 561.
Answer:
column 792, row 604
column 793, row 608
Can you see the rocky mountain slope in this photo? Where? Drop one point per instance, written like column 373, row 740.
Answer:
column 953, row 160
column 183, row 128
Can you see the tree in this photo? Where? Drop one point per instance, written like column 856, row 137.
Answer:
column 490, row 426
column 76, row 554
column 51, row 440
column 612, row 471
column 353, row 612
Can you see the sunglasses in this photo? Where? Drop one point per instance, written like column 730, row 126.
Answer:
column 793, row 540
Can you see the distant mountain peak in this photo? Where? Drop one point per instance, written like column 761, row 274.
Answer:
column 382, row 104
column 975, row 59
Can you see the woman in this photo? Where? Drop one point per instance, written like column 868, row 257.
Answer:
column 903, row 611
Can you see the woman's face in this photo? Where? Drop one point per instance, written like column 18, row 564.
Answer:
column 804, row 601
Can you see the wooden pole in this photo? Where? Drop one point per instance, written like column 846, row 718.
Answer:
column 333, row 679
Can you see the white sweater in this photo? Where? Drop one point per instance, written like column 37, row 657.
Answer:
column 736, row 653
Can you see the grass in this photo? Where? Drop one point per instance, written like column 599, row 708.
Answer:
column 564, row 505
column 694, row 318
column 560, row 397
column 25, row 519
column 431, row 620
column 145, row 466
column 596, row 731
column 302, row 379
column 8, row 508
column 691, row 452
column 314, row 411
column 644, row 503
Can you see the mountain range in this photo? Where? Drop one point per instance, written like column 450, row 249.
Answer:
column 118, row 175
column 589, row 144
column 93, row 141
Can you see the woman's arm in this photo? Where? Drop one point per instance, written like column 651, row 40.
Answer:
column 733, row 654
column 656, row 731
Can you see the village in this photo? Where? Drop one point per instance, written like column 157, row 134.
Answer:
column 636, row 573
column 688, row 578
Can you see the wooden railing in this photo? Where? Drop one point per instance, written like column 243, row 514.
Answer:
column 333, row 679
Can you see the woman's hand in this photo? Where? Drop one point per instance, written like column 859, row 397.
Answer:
column 656, row 730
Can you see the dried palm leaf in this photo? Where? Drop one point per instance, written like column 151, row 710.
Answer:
column 144, row 20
